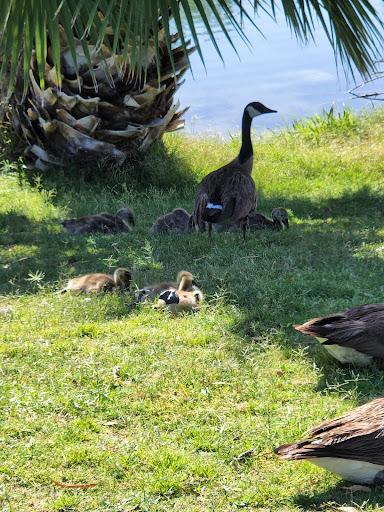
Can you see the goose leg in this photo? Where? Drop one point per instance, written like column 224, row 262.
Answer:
column 209, row 230
column 245, row 226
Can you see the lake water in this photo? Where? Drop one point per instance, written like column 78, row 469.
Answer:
column 295, row 80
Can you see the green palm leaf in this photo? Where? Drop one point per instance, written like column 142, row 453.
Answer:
column 352, row 27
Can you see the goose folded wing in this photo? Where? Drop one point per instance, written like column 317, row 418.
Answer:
column 366, row 335
column 369, row 448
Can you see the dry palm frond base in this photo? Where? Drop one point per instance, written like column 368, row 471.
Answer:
column 118, row 116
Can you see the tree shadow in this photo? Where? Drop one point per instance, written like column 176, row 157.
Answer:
column 361, row 203
column 158, row 168
column 342, row 494
column 13, row 222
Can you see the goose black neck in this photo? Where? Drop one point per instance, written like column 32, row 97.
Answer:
column 246, row 151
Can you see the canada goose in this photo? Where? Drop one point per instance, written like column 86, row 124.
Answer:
column 352, row 336
column 178, row 221
column 183, row 299
column 121, row 281
column 154, row 290
column 352, row 445
column 259, row 221
column 228, row 194
column 101, row 222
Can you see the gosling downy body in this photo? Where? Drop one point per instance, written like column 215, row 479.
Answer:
column 178, row 221
column 120, row 281
column 355, row 335
column 182, row 300
column 151, row 291
column 101, row 223
column 228, row 195
column 257, row 221
column 352, row 445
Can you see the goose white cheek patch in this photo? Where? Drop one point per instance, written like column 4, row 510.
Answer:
column 253, row 112
column 214, row 206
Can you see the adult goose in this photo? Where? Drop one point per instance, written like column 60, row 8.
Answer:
column 228, row 194
column 151, row 291
column 355, row 335
column 101, row 222
column 182, row 300
column 178, row 221
column 259, row 221
column 120, row 281
column 352, row 445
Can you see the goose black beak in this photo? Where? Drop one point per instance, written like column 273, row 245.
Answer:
column 286, row 223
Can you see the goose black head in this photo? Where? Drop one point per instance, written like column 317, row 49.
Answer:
column 169, row 297
column 256, row 109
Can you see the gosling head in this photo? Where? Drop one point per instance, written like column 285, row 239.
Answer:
column 127, row 214
column 187, row 279
column 255, row 109
column 281, row 215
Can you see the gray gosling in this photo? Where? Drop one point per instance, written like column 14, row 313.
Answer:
column 228, row 194
column 258, row 221
column 120, row 281
column 182, row 300
column 352, row 445
column 152, row 291
column 101, row 222
column 178, row 221
column 355, row 335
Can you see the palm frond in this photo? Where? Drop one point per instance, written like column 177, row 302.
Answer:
column 353, row 27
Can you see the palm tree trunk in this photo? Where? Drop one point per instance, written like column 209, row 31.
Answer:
column 117, row 117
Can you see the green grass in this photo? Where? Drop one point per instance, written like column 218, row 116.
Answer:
column 156, row 409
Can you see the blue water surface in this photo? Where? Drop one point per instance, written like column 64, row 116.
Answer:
column 286, row 76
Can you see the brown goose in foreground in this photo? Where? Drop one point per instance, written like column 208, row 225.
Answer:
column 121, row 281
column 352, row 336
column 101, row 222
column 352, row 445
column 178, row 221
column 259, row 221
column 228, row 194
column 182, row 300
column 151, row 291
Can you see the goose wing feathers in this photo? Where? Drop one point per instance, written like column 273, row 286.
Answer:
column 230, row 188
column 356, row 435
column 361, row 328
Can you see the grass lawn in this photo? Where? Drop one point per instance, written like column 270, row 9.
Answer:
column 156, row 410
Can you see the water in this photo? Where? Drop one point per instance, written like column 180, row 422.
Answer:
column 295, row 80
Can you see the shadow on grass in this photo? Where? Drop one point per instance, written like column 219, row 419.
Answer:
column 159, row 168
column 357, row 382
column 342, row 494
column 54, row 256
column 361, row 203
column 13, row 222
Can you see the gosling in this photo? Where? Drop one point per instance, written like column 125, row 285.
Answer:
column 90, row 283
column 182, row 300
column 178, row 221
column 102, row 222
column 258, row 221
column 152, row 291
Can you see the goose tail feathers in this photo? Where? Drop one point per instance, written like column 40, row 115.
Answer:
column 200, row 206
